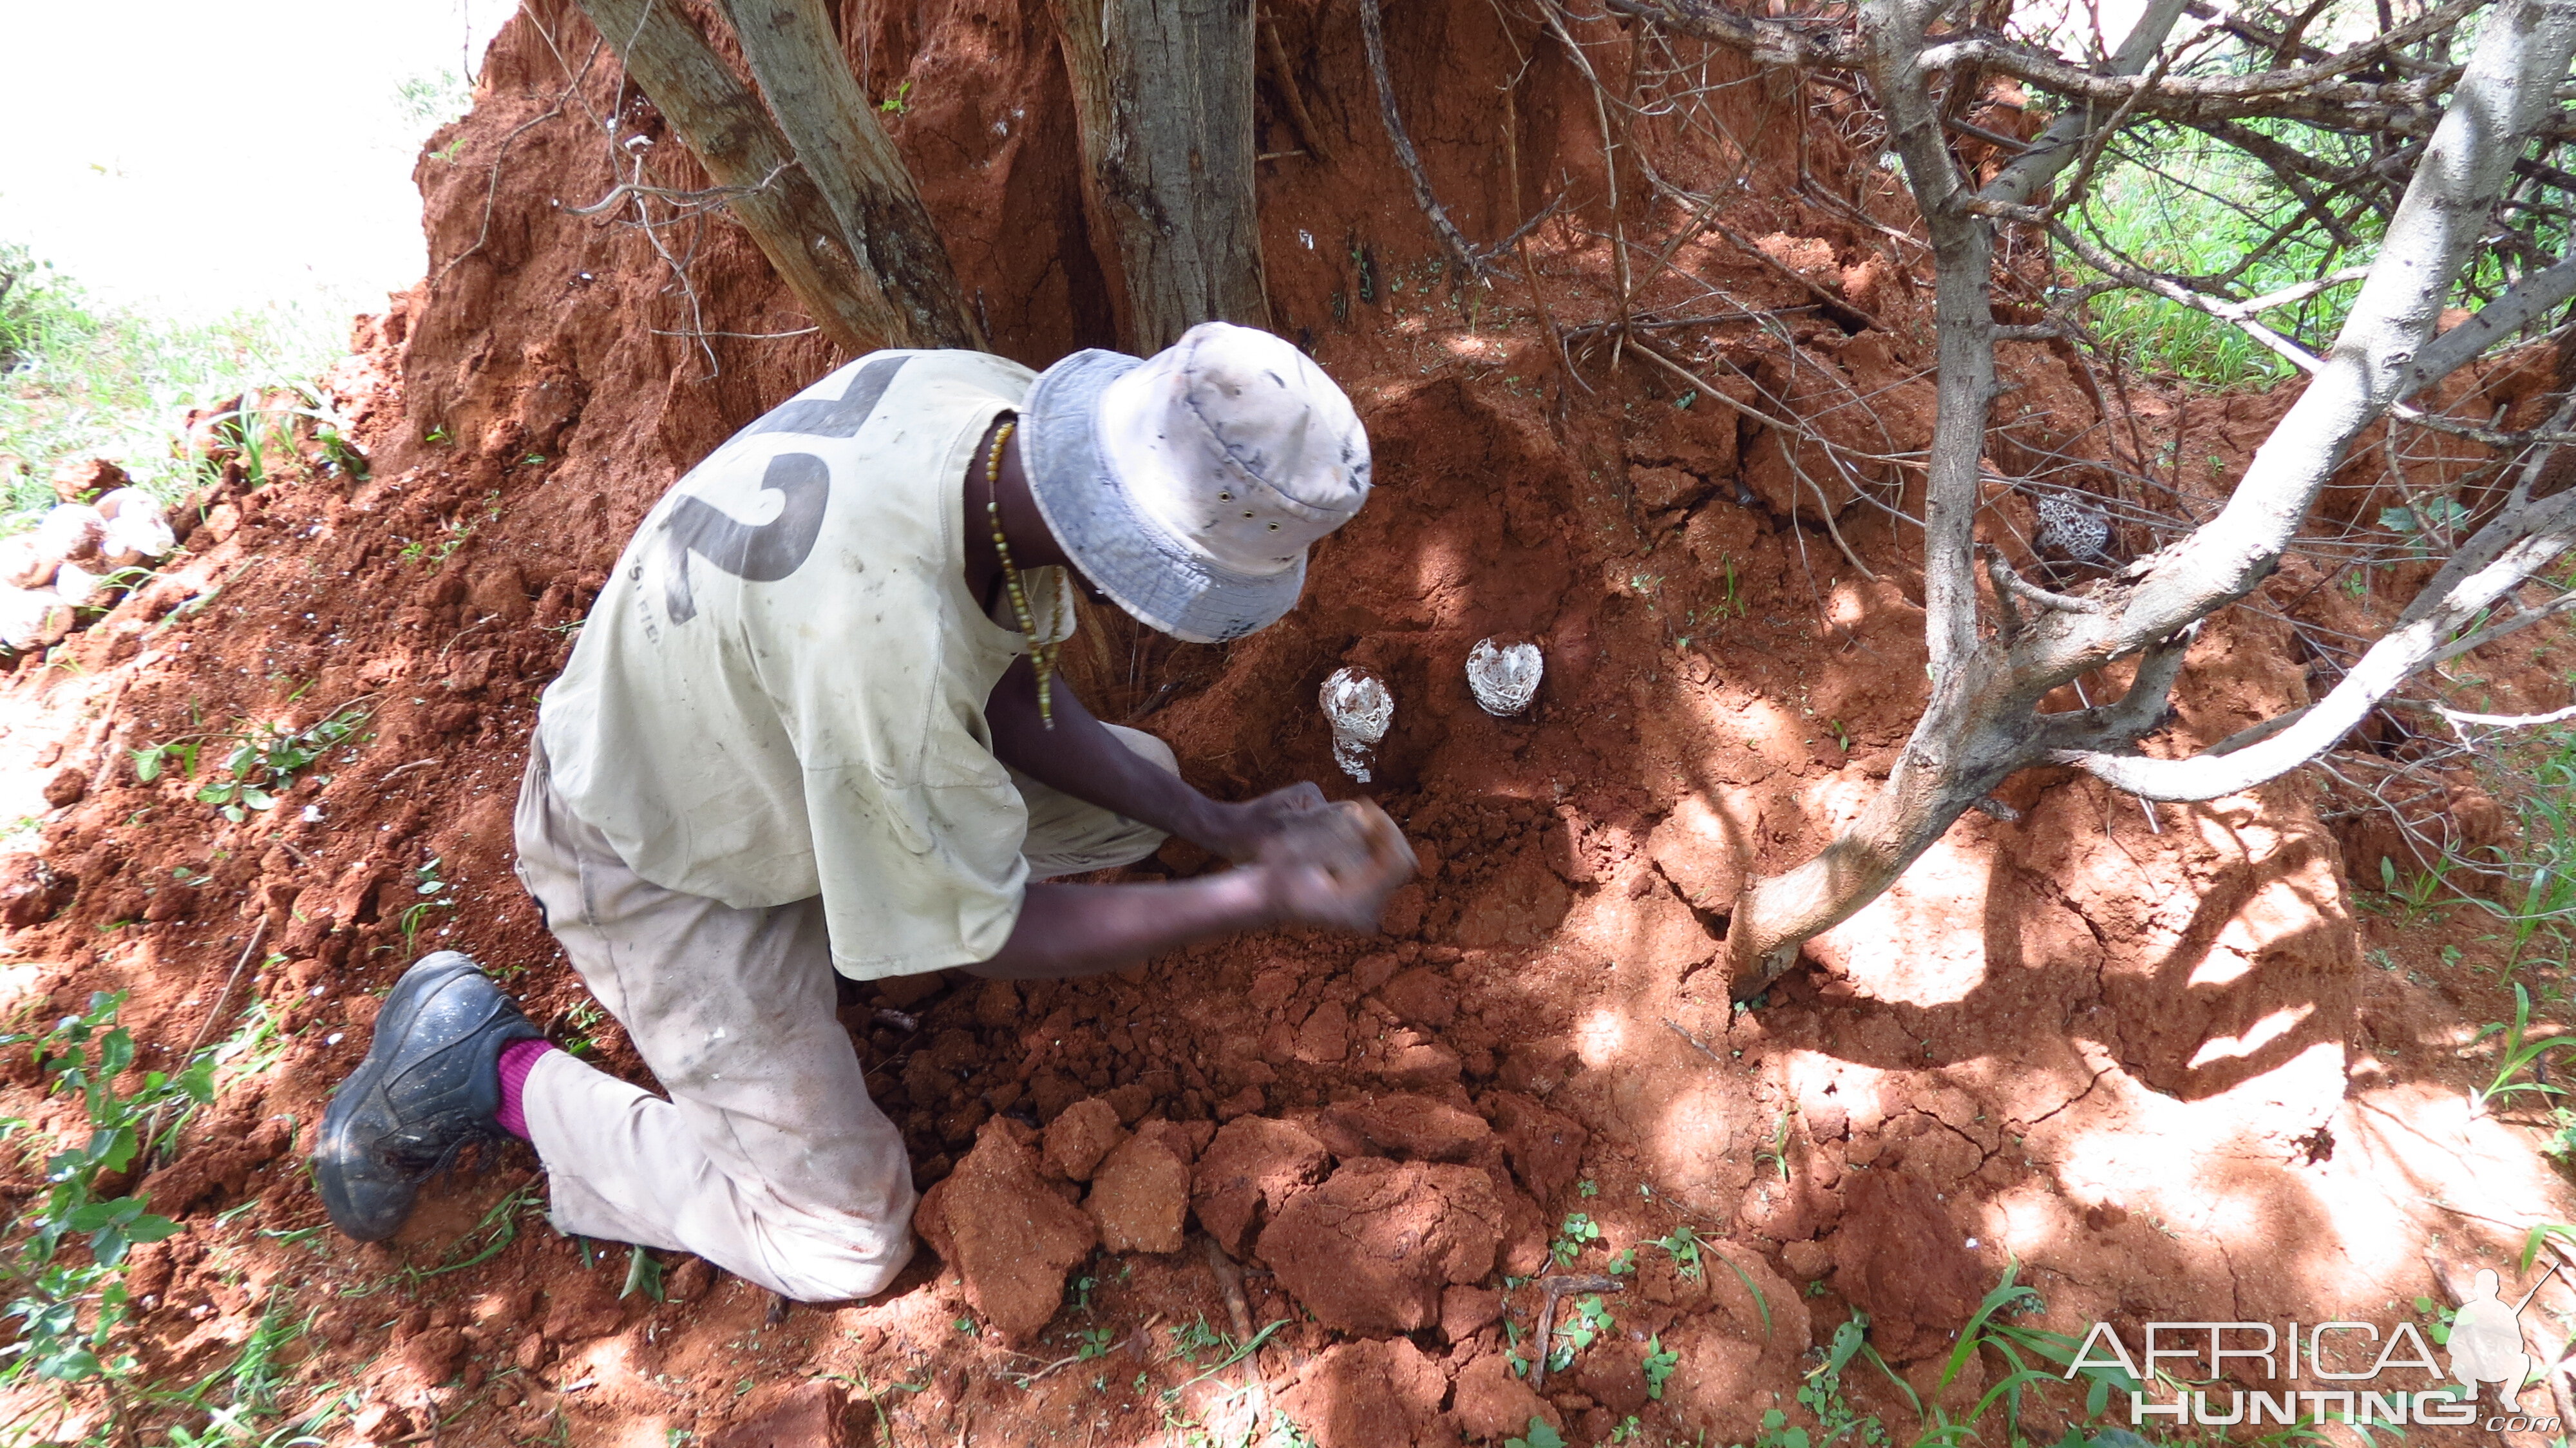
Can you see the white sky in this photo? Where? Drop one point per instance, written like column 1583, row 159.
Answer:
column 204, row 157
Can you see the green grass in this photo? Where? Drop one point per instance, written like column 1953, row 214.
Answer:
column 82, row 378
column 2200, row 209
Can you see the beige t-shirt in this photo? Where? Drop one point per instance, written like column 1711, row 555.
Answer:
column 780, row 693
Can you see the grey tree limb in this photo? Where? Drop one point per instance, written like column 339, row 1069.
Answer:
column 723, row 125
column 2522, row 304
column 829, row 124
column 2386, row 667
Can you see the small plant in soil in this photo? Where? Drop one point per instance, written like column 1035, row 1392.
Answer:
column 1540, row 1436
column 1586, row 1324
column 2521, row 1052
column 433, row 893
column 69, row 1310
column 1659, row 1366
column 1683, row 1243
column 1578, row 1232
column 266, row 759
column 1822, row 1392
column 643, row 1274
column 1194, row 1338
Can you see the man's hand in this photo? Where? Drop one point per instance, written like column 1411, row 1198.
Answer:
column 1334, row 866
column 1242, row 831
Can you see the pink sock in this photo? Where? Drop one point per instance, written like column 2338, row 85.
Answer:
column 517, row 1059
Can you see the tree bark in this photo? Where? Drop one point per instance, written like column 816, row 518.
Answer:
column 826, row 119
column 776, row 199
column 1162, row 97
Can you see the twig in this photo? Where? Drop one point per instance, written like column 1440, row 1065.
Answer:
column 1229, row 1280
column 1554, row 1288
column 710, row 196
column 1373, row 37
column 258, row 932
column 1273, row 51
column 1825, row 295
column 1696, row 1043
column 405, row 769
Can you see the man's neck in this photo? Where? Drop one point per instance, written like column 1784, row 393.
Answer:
column 1032, row 544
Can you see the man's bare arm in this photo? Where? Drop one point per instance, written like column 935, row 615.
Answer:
column 1082, row 758
column 1336, row 874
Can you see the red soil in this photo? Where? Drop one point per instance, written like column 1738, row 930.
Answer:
column 2137, row 1052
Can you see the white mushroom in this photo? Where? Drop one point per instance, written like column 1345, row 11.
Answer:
column 22, row 565
column 77, row 586
column 136, row 531
column 24, row 616
column 71, row 530
column 1359, row 707
column 1503, row 677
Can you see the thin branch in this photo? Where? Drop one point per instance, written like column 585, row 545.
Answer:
column 1373, row 40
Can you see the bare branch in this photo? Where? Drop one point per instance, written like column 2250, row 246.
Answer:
column 2007, row 581
column 1373, row 40
column 2241, row 315
column 2385, row 668
column 2522, row 304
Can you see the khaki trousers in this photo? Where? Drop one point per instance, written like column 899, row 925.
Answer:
column 768, row 1159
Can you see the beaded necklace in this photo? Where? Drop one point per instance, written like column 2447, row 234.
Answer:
column 1041, row 655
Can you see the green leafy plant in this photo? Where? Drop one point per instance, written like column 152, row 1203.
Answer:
column 2521, row 1052
column 1540, row 1435
column 1191, row 1339
column 267, row 758
column 1096, row 1342
column 69, row 1306
column 152, row 759
column 1821, row 1393
column 1683, row 1243
column 1659, row 1366
column 433, row 895
column 1578, row 1232
column 1587, row 1321
column 643, row 1274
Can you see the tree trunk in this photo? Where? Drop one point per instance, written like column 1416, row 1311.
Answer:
column 1162, row 95
column 776, row 198
column 827, row 120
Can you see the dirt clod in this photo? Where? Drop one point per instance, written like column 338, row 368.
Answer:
column 1371, row 1249
column 1077, row 1140
column 1249, row 1171
column 1366, row 1395
column 1899, row 1258
column 1545, row 1147
column 1140, row 1196
column 581, row 1306
column 1493, row 1405
column 810, row 1414
column 1402, row 1124
column 997, row 1223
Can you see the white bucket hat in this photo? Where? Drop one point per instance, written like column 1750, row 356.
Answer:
column 1189, row 485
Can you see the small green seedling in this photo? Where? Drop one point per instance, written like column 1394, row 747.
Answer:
column 1579, row 1231
column 1660, row 1362
column 1683, row 1243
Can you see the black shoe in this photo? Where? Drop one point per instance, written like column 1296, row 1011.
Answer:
column 430, row 1084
